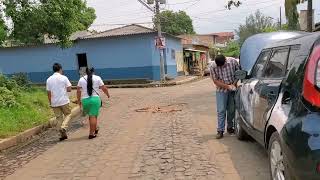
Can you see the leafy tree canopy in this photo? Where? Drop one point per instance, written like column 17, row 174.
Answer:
column 232, row 49
column 3, row 31
column 292, row 14
column 57, row 19
column 255, row 23
column 175, row 23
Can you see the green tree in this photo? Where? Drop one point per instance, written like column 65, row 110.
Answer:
column 56, row 19
column 232, row 49
column 3, row 31
column 175, row 23
column 255, row 23
column 231, row 3
column 292, row 14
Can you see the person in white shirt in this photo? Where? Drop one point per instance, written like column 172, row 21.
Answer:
column 58, row 87
column 89, row 98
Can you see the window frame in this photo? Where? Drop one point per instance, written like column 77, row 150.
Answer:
column 293, row 47
column 269, row 51
column 268, row 61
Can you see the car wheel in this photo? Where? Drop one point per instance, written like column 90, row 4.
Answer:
column 277, row 160
column 240, row 132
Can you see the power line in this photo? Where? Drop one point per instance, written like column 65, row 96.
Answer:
column 229, row 23
column 119, row 24
column 128, row 14
column 225, row 9
column 196, row 2
column 269, row 5
column 186, row 2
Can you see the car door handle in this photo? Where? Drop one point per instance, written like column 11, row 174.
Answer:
column 251, row 91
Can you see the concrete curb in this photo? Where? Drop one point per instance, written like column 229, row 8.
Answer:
column 154, row 85
column 28, row 134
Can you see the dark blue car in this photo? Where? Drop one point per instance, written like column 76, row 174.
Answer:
column 278, row 101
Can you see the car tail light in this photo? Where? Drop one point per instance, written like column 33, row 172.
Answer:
column 311, row 83
column 318, row 168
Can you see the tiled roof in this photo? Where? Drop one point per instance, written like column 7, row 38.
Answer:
column 193, row 39
column 122, row 31
column 222, row 34
column 80, row 34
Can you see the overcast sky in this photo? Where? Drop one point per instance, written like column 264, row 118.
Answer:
column 208, row 15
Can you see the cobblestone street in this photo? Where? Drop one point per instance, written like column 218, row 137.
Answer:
column 177, row 144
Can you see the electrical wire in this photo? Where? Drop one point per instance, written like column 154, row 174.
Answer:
column 119, row 24
column 191, row 5
column 232, row 14
column 225, row 9
column 186, row 2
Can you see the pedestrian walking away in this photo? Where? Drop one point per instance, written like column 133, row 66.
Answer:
column 89, row 98
column 58, row 87
column 223, row 75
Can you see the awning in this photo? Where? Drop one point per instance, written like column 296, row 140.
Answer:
column 193, row 50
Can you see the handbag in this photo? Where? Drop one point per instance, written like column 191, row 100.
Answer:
column 94, row 91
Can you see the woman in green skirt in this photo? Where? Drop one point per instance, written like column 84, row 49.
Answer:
column 88, row 90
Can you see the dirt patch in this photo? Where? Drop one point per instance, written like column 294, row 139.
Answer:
column 163, row 109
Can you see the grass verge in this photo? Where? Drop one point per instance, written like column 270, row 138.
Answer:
column 33, row 111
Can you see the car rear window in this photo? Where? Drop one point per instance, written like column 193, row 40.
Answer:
column 261, row 62
column 276, row 67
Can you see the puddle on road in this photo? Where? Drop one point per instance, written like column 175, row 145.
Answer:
column 163, row 109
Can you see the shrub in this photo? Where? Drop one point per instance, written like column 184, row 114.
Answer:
column 8, row 83
column 7, row 98
column 9, row 91
column 21, row 79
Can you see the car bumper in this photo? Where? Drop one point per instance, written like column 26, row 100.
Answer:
column 301, row 145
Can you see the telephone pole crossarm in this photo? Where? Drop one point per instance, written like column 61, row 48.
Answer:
column 146, row 5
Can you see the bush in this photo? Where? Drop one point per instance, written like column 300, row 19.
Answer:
column 8, row 83
column 7, row 98
column 9, row 91
column 232, row 50
column 21, row 79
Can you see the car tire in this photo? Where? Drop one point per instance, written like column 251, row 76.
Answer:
column 277, row 159
column 240, row 132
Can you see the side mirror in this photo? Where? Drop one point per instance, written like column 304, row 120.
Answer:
column 241, row 74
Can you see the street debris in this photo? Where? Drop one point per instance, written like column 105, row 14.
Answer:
column 163, row 109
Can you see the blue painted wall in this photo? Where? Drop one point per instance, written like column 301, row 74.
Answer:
column 125, row 57
column 170, row 61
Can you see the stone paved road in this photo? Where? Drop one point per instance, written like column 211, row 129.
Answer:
column 144, row 145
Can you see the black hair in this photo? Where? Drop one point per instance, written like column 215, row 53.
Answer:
column 89, row 80
column 56, row 67
column 220, row 60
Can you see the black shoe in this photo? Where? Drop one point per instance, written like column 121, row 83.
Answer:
column 63, row 138
column 219, row 135
column 92, row 136
column 64, row 135
column 231, row 130
column 96, row 131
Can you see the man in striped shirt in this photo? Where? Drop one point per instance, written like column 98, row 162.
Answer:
column 223, row 75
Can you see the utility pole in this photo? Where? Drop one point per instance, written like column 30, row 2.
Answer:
column 156, row 10
column 280, row 20
column 158, row 24
column 310, row 17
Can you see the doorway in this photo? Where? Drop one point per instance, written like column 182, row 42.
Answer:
column 82, row 60
column 82, row 63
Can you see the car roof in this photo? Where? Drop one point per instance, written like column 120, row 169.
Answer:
column 305, row 40
column 253, row 46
